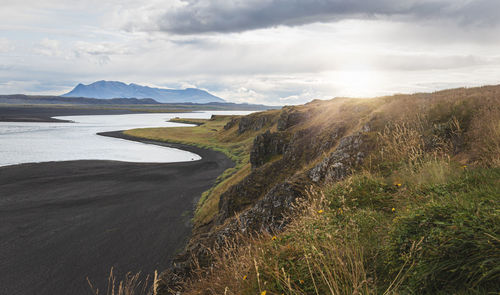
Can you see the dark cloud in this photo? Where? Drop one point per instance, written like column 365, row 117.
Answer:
column 201, row 16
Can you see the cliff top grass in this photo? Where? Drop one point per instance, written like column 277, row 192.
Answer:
column 431, row 115
column 196, row 122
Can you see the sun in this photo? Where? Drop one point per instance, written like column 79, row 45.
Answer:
column 358, row 82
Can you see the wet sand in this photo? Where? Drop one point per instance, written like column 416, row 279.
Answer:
column 63, row 221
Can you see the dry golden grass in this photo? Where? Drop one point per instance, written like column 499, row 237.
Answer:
column 403, row 124
column 485, row 133
column 132, row 284
column 309, row 264
column 402, row 142
column 424, row 140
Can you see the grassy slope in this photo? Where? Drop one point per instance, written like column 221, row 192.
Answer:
column 367, row 235
column 421, row 215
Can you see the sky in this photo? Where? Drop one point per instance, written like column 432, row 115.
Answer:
column 256, row 51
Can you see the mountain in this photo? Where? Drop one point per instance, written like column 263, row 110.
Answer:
column 114, row 89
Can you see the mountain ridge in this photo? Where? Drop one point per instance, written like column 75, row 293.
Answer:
column 115, row 89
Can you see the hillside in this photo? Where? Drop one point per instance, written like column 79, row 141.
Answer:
column 114, row 89
column 390, row 195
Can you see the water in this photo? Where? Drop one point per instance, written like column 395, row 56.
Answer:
column 44, row 142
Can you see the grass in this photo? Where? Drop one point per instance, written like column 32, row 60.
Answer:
column 415, row 220
column 366, row 235
column 197, row 122
column 420, row 216
column 132, row 284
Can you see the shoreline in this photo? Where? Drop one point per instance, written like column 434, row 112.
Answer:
column 202, row 152
column 73, row 219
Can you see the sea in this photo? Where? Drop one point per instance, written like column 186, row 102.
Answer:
column 78, row 140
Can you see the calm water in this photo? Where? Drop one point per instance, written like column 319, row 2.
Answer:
column 43, row 142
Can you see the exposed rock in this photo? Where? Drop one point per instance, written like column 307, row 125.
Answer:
column 268, row 212
column 254, row 123
column 349, row 154
column 260, row 202
column 333, row 138
column 245, row 193
column 265, row 146
column 231, row 123
column 308, row 144
column 289, row 117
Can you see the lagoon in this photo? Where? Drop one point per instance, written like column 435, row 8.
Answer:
column 45, row 142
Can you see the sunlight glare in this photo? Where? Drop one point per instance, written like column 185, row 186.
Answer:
column 358, row 83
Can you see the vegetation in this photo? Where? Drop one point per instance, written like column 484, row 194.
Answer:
column 366, row 235
column 132, row 284
column 419, row 215
column 196, row 122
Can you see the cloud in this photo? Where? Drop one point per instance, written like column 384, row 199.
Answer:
column 223, row 16
column 48, row 47
column 25, row 87
column 6, row 45
column 262, row 51
column 100, row 51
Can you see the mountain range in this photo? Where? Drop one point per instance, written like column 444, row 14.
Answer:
column 115, row 89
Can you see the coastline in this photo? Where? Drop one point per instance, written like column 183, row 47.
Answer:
column 185, row 147
column 69, row 220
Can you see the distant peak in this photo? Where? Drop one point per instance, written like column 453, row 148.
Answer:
column 115, row 89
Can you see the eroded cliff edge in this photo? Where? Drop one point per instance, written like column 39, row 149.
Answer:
column 301, row 147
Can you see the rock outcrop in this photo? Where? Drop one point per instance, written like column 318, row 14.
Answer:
column 349, row 154
column 290, row 117
column 231, row 123
column 253, row 123
column 262, row 200
column 267, row 145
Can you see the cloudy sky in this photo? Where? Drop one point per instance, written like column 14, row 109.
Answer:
column 256, row 51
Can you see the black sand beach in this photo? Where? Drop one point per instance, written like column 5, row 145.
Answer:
column 63, row 221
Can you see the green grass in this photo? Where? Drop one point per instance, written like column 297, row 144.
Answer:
column 459, row 229
column 369, row 235
column 197, row 122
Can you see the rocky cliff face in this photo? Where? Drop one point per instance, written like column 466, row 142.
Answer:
column 267, row 145
column 252, row 122
column 348, row 155
column 324, row 142
column 289, row 117
column 285, row 163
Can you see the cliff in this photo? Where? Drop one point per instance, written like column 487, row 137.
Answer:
column 297, row 154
